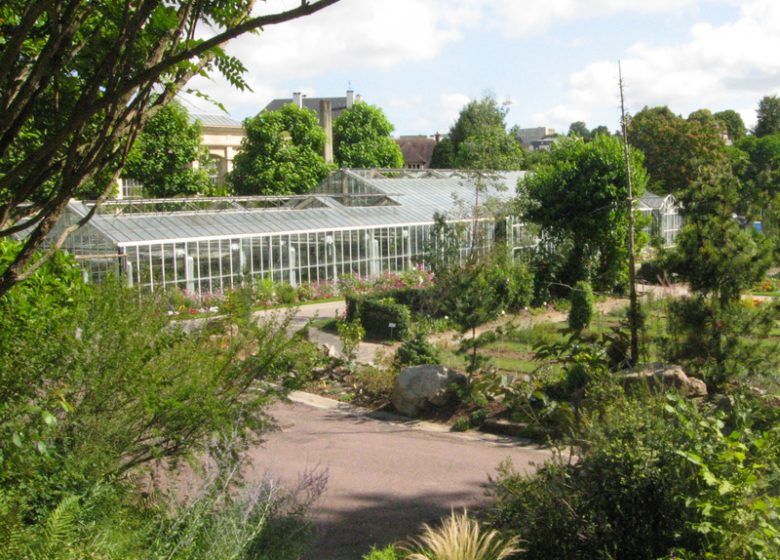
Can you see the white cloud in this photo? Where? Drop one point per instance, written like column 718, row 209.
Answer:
column 352, row 34
column 449, row 106
column 535, row 16
column 720, row 66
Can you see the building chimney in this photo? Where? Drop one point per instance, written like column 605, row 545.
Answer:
column 350, row 98
column 326, row 121
column 298, row 99
column 358, row 98
column 437, row 137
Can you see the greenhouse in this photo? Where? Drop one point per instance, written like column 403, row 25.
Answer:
column 362, row 222
column 663, row 211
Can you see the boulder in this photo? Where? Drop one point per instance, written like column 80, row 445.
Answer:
column 420, row 387
column 666, row 376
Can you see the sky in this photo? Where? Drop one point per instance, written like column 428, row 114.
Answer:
column 552, row 61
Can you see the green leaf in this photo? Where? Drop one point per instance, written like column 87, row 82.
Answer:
column 49, row 418
column 17, row 440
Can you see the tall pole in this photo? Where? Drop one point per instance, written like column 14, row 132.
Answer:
column 633, row 306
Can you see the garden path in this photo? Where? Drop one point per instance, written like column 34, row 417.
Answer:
column 385, row 477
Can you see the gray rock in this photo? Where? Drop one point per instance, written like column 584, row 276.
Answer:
column 666, row 376
column 420, row 387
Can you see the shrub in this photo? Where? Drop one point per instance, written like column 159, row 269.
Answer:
column 416, row 351
column 513, row 281
column 351, row 332
column 581, row 312
column 374, row 383
column 109, row 384
column 652, row 479
column 265, row 291
column 286, row 294
column 418, row 300
column 390, row 552
column 376, row 315
column 97, row 383
column 722, row 343
column 460, row 537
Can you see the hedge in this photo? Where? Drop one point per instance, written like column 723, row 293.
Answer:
column 376, row 315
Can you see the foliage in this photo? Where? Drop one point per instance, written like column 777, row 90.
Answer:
column 768, row 116
column 581, row 312
column 114, row 386
column 281, row 154
column 714, row 254
column 651, row 479
column 580, row 130
column 374, row 383
column 733, row 123
column 442, row 156
column 377, row 314
column 675, row 148
column 578, row 199
column 390, row 552
column 351, row 333
column 162, row 157
column 416, row 351
column 468, row 296
column 479, row 140
column 263, row 521
column 757, row 166
column 79, row 81
column 362, row 138
column 722, row 342
column 460, row 538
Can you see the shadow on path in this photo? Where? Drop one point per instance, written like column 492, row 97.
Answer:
column 382, row 518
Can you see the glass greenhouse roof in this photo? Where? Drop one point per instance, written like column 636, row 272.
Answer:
column 348, row 199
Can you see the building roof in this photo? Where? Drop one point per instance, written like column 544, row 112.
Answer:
column 215, row 120
column 348, row 199
column 650, row 201
column 416, row 149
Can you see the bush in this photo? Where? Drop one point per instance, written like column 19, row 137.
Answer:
column 418, row 300
column 655, row 479
column 286, row 294
column 656, row 271
column 722, row 343
column 376, row 315
column 460, row 537
column 97, row 383
column 374, row 383
column 514, row 283
column 390, row 552
column 581, row 312
column 96, row 389
column 416, row 351
column 351, row 332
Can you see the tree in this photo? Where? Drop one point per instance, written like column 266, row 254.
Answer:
column 162, row 157
column 281, row 154
column 580, row 129
column 675, row 148
column 768, row 116
column 479, row 140
column 712, row 334
column 361, row 138
column 79, row 80
column 714, row 253
column 578, row 199
column 735, row 126
column 759, row 173
column 600, row 130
